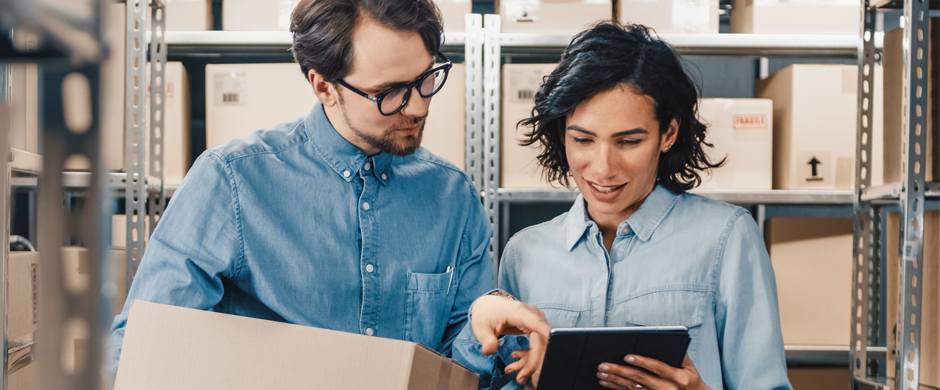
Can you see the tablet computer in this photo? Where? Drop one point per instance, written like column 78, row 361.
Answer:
column 573, row 354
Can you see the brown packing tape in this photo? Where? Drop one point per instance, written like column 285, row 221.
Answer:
column 443, row 381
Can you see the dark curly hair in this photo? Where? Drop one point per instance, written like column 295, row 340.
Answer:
column 600, row 59
column 323, row 30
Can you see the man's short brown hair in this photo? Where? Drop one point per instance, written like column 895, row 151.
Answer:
column 323, row 30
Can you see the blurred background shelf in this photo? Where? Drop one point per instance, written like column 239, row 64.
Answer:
column 834, row 197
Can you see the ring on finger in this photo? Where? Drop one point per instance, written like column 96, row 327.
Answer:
column 637, row 386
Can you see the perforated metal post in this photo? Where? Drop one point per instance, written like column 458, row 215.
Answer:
column 864, row 331
column 135, row 124
column 5, row 221
column 157, row 100
column 491, row 124
column 473, row 61
column 913, row 152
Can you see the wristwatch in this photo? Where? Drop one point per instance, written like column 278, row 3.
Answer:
column 501, row 293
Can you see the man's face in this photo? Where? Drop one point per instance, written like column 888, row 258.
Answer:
column 384, row 58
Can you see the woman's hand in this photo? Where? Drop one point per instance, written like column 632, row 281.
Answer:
column 658, row 375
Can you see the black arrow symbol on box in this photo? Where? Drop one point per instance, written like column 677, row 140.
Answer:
column 814, row 162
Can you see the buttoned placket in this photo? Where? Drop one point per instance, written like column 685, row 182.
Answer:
column 621, row 244
column 369, row 268
column 599, row 292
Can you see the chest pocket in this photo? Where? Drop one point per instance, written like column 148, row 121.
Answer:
column 666, row 308
column 426, row 311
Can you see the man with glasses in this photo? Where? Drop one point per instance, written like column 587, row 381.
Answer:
column 339, row 219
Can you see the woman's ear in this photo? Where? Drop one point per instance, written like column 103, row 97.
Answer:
column 325, row 91
column 670, row 136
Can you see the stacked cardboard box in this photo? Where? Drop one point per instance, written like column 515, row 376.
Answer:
column 551, row 16
column 274, row 15
column 518, row 164
column 267, row 354
column 815, row 126
column 929, row 302
column 176, row 124
column 795, row 17
column 445, row 128
column 672, row 16
column 812, row 259
column 188, row 15
column 741, row 132
column 893, row 60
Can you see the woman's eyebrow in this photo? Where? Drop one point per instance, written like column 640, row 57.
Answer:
column 638, row 130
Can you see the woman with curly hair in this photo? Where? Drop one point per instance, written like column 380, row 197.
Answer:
column 618, row 118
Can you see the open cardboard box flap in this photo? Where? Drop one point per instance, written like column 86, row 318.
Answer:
column 168, row 347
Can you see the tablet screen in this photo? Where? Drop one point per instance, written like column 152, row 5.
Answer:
column 573, row 355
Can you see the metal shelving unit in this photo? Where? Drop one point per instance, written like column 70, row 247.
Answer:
column 908, row 197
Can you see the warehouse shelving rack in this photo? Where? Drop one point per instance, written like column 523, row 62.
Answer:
column 764, row 204
column 910, row 197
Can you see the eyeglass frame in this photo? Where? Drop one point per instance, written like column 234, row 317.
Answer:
column 377, row 99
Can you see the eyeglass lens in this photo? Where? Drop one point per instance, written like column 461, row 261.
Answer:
column 427, row 87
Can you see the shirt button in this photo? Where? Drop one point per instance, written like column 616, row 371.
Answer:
column 501, row 342
column 370, row 268
column 345, row 173
column 368, row 166
column 365, row 205
column 369, row 331
column 384, row 177
column 625, row 230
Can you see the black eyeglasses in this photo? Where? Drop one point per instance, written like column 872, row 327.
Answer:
column 392, row 100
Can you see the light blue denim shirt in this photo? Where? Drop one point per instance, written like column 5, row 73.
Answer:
column 680, row 259
column 295, row 224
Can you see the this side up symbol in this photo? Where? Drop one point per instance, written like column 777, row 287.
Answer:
column 814, row 163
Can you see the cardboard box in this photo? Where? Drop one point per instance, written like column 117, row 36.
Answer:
column 454, row 13
column 214, row 350
column 818, row 378
column 741, row 132
column 795, row 17
column 815, row 126
column 672, row 16
column 176, row 124
column 188, row 15
column 257, row 15
column 812, row 259
column 119, row 231
column 113, row 108
column 929, row 300
column 243, row 98
column 24, row 107
column 22, row 290
column 77, row 279
column 445, row 129
column 552, row 16
column 518, row 164
column 893, row 85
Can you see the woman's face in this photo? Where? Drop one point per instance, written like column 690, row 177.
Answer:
column 612, row 142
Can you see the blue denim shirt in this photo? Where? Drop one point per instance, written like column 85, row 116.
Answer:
column 295, row 224
column 680, row 259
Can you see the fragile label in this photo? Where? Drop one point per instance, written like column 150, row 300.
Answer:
column 750, row 121
column 230, row 88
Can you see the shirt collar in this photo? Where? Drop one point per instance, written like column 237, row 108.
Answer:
column 643, row 222
column 342, row 156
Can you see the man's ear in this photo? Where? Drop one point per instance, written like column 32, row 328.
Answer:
column 325, row 91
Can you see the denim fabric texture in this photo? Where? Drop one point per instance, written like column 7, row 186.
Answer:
column 680, row 259
column 296, row 224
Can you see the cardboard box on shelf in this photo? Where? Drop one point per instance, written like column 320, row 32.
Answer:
column 22, row 290
column 929, row 302
column 257, row 15
column 270, row 355
column 893, row 85
column 815, row 126
column 741, row 132
column 812, row 260
column 552, row 16
column 24, row 107
column 445, row 127
column 188, row 15
column 243, row 98
column 795, row 17
column 176, row 124
column 119, row 231
column 454, row 12
column 77, row 279
column 672, row 16
column 518, row 164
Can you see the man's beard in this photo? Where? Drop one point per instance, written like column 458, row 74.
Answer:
column 389, row 142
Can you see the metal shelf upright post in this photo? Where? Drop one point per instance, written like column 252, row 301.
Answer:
column 491, row 124
column 473, row 62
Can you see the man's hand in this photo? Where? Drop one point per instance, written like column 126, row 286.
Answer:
column 494, row 316
column 657, row 375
